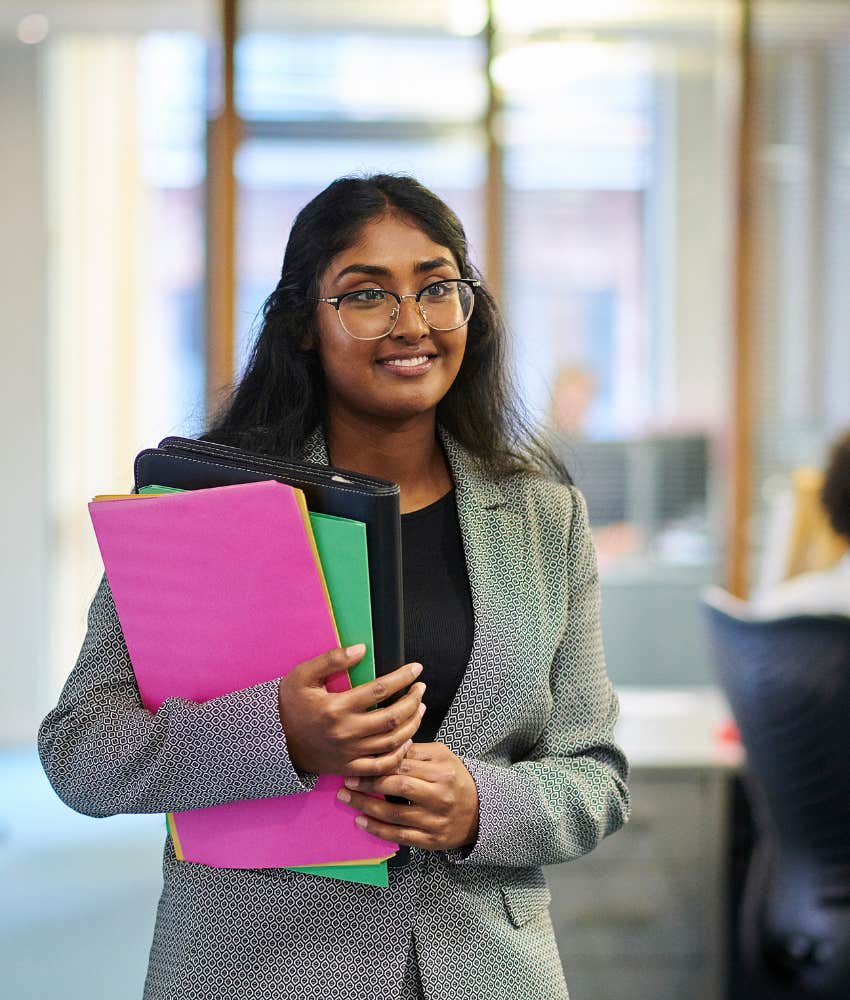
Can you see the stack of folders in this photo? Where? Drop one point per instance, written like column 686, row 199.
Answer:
column 221, row 587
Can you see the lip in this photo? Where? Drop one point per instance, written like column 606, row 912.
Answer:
column 407, row 371
column 406, row 355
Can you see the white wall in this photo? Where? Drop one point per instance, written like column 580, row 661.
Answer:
column 25, row 527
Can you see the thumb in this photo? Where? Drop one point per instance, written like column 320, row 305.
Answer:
column 317, row 670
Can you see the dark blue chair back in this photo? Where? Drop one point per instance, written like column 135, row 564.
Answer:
column 788, row 685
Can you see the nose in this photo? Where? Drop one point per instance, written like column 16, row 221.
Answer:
column 410, row 324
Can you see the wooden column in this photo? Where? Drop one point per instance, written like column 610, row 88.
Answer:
column 744, row 347
column 223, row 137
column 494, row 189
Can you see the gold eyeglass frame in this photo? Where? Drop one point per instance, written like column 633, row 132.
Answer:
column 336, row 300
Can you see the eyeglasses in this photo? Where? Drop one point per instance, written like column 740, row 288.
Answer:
column 372, row 313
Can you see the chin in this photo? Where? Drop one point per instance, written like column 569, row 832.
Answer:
column 396, row 409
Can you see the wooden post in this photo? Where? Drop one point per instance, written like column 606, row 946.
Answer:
column 743, row 408
column 494, row 189
column 223, row 137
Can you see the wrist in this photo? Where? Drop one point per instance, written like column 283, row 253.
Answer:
column 298, row 763
column 472, row 827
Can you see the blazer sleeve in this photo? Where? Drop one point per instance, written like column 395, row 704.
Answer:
column 570, row 791
column 104, row 753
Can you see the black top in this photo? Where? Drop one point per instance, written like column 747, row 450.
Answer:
column 438, row 618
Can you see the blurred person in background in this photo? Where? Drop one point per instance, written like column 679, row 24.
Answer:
column 381, row 351
column 825, row 591
column 599, row 470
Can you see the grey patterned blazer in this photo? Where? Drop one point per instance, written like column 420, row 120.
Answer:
column 532, row 721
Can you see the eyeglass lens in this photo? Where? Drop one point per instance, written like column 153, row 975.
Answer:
column 372, row 312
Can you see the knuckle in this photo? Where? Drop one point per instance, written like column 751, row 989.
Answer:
column 379, row 689
column 342, row 736
column 392, row 722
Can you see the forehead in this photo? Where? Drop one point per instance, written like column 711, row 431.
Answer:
column 391, row 241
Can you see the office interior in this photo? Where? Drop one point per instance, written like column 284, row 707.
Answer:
column 659, row 194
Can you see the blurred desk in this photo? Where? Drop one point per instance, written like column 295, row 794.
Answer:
column 644, row 916
column 654, row 624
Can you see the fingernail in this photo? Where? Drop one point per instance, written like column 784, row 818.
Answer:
column 361, row 821
column 343, row 795
column 357, row 650
column 352, row 782
column 422, row 708
column 416, row 669
column 407, row 744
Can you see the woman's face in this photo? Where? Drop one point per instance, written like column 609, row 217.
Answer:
column 393, row 254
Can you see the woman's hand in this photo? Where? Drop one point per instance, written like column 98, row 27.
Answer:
column 335, row 732
column 443, row 810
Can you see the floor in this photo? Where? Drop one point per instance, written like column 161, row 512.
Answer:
column 79, row 894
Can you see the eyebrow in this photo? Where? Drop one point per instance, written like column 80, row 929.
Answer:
column 420, row 267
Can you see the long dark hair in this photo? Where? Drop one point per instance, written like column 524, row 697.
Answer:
column 280, row 398
column 835, row 494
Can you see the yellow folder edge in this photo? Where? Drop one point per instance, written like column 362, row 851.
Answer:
column 308, row 528
column 305, row 516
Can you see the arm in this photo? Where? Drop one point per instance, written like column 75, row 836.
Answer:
column 104, row 753
column 570, row 792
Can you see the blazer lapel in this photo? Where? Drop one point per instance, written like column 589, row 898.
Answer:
column 315, row 447
column 495, row 548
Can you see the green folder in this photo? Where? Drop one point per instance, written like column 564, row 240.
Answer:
column 341, row 543
column 342, row 550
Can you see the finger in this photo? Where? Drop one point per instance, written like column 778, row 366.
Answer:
column 379, row 745
column 395, row 813
column 366, row 695
column 423, row 770
column 372, row 767
column 316, row 671
column 417, row 790
column 427, row 751
column 384, row 724
column 427, row 770
column 404, row 836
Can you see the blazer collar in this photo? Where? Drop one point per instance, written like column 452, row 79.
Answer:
column 495, row 547
column 474, row 488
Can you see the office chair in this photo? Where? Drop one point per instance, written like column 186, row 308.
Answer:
column 788, row 684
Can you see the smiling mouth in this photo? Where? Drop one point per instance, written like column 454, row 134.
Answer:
column 416, row 362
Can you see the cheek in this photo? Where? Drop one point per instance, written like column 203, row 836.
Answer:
column 344, row 363
column 458, row 352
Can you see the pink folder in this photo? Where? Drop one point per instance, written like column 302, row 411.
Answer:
column 218, row 590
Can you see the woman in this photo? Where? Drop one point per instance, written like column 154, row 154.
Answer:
column 381, row 352
column 822, row 523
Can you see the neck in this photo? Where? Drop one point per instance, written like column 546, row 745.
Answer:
column 407, row 453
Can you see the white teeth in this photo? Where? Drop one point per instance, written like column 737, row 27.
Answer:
column 407, row 362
